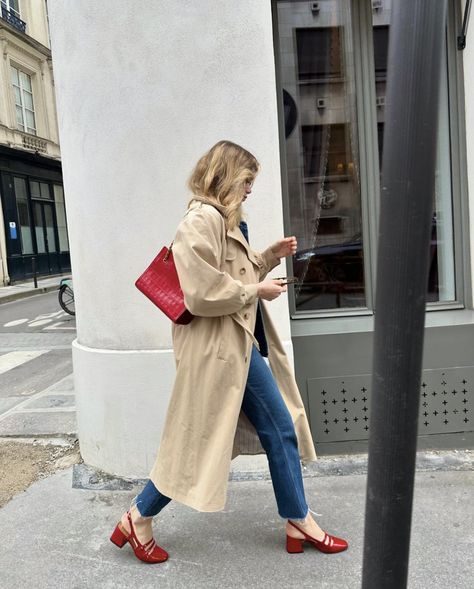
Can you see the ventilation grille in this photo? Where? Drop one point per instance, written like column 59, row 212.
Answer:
column 340, row 407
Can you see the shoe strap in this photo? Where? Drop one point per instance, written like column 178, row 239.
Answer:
column 135, row 537
column 323, row 541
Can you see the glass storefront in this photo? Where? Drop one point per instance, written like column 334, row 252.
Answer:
column 330, row 211
column 441, row 284
column 331, row 70
column 34, row 216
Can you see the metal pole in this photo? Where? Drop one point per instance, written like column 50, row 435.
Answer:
column 465, row 22
column 416, row 41
column 33, row 265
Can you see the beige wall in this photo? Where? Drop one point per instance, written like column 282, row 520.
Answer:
column 33, row 12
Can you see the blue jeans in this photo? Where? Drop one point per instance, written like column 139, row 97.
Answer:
column 264, row 406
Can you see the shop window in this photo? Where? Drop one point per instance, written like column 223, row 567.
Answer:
column 325, row 98
column 40, row 190
column 322, row 156
column 23, row 215
column 441, row 282
column 61, row 218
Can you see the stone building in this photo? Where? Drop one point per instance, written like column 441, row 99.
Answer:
column 33, row 230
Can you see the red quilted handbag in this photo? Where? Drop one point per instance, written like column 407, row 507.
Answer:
column 160, row 284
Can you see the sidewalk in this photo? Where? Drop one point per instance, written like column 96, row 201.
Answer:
column 27, row 288
column 56, row 533
column 58, row 536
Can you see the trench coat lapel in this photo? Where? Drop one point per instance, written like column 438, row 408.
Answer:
column 234, row 233
column 237, row 235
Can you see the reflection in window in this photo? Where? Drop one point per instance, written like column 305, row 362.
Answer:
column 335, row 159
column 322, row 160
column 380, row 51
column 441, row 282
column 318, row 53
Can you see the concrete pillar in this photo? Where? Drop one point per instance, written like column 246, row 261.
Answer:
column 141, row 94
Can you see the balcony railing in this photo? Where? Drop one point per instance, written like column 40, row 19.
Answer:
column 13, row 20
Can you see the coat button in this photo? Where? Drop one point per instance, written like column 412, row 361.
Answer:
column 243, row 270
column 246, row 358
column 246, row 315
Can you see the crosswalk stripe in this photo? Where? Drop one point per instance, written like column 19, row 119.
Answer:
column 14, row 359
column 22, row 406
column 27, row 409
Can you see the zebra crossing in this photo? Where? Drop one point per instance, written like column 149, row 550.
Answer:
column 37, row 393
column 17, row 358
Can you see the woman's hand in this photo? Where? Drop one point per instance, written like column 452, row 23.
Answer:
column 270, row 289
column 285, row 247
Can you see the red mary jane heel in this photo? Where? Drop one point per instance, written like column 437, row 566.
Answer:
column 330, row 544
column 148, row 552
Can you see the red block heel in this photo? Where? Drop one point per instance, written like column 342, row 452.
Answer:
column 148, row 552
column 329, row 544
column 118, row 536
column 294, row 545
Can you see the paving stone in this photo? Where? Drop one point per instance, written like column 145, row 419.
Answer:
column 9, row 402
column 36, row 341
column 242, row 546
column 39, row 424
column 47, row 401
column 66, row 385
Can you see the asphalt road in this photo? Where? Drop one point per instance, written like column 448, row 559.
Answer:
column 35, row 355
column 39, row 313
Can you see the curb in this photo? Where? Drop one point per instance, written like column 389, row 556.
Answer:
column 88, row 477
column 27, row 293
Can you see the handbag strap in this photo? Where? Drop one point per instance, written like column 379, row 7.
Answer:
column 167, row 255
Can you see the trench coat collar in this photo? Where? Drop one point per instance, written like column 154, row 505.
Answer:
column 234, row 233
column 221, row 208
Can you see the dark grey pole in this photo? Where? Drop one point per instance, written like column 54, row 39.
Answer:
column 416, row 41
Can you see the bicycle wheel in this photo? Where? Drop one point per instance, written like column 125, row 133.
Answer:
column 66, row 299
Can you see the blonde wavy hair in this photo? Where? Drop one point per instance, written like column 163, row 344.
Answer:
column 221, row 174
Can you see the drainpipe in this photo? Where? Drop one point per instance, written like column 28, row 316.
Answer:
column 408, row 180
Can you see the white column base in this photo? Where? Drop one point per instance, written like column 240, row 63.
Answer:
column 121, row 400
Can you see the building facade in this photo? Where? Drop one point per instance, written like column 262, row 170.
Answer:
column 33, row 233
column 302, row 85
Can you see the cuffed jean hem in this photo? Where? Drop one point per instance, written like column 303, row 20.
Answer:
column 298, row 519
column 150, row 501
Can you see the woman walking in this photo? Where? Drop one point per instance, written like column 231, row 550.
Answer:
column 234, row 391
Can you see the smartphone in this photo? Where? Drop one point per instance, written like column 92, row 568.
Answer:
column 287, row 279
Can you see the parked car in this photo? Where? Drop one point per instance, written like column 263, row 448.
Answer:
column 338, row 269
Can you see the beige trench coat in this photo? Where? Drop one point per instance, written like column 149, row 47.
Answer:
column 204, row 427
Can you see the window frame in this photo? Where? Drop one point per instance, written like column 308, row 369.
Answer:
column 15, row 11
column 365, row 83
column 21, row 70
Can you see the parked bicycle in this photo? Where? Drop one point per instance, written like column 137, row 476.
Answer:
column 66, row 296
